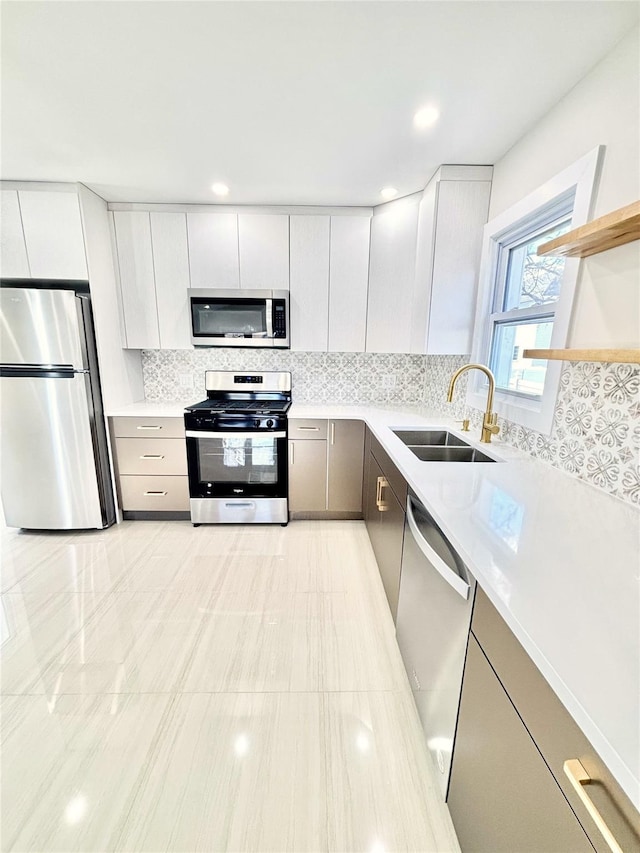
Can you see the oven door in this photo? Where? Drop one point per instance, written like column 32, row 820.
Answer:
column 237, row 464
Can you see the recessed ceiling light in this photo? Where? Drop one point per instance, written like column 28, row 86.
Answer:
column 389, row 192
column 220, row 189
column 426, row 117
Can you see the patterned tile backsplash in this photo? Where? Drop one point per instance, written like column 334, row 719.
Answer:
column 596, row 427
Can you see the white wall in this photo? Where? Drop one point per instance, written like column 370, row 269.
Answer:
column 604, row 108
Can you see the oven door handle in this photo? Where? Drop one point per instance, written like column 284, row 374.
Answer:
column 241, row 433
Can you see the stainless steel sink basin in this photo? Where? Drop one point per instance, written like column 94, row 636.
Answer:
column 439, row 445
column 435, row 453
column 422, row 437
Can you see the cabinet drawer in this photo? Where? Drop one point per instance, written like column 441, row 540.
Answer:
column 151, row 456
column 396, row 480
column 557, row 735
column 148, row 427
column 154, row 493
column 301, row 428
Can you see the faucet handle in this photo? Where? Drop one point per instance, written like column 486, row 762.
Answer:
column 490, row 423
column 465, row 424
column 489, row 426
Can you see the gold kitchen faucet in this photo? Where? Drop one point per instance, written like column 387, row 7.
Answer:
column 490, row 419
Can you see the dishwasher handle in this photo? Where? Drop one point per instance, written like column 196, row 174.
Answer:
column 452, row 578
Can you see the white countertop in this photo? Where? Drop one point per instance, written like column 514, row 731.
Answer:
column 558, row 558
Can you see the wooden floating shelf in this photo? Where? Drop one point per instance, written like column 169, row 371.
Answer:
column 616, row 228
column 626, row 356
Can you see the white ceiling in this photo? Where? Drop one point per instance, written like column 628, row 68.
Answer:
column 287, row 103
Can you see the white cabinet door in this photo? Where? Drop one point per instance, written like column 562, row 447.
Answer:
column 463, row 207
column 391, row 276
column 137, row 283
column 453, row 211
column 171, row 267
column 213, row 249
column 348, row 283
column 53, row 234
column 13, row 249
column 264, row 251
column 309, row 285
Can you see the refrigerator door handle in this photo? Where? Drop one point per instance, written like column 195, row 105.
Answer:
column 44, row 371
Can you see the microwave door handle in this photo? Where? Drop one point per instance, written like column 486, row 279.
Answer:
column 269, row 317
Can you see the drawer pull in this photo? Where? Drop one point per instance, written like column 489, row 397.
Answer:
column 148, row 427
column 579, row 778
column 156, row 494
column 309, row 429
column 152, row 456
column 241, row 504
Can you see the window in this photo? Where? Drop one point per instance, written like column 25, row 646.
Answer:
column 525, row 300
column 525, row 295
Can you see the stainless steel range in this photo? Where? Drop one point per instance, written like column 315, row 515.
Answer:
column 237, row 448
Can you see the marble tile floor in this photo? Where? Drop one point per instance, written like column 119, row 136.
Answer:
column 166, row 688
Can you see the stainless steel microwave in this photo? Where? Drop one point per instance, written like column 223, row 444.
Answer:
column 239, row 318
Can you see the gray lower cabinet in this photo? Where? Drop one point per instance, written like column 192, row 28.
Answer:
column 325, row 468
column 384, row 515
column 509, row 789
column 346, row 453
column 151, row 466
column 502, row 797
column 307, row 475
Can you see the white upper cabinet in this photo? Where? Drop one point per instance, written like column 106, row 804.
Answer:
column 309, row 286
column 137, row 280
column 53, row 234
column 213, row 250
column 13, row 249
column 171, row 268
column 453, row 211
column 264, row 251
column 348, row 283
column 391, row 275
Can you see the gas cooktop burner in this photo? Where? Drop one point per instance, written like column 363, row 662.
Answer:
column 261, row 406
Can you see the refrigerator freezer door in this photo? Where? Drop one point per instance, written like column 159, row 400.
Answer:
column 48, row 470
column 40, row 327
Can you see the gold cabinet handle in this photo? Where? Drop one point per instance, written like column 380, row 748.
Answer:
column 579, row 778
column 333, row 432
column 152, row 456
column 309, row 429
column 382, row 483
column 155, row 493
column 291, row 453
column 149, row 427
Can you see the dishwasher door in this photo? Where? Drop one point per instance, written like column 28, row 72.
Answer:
column 432, row 628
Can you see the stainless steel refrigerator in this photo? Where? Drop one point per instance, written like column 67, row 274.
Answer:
column 54, row 463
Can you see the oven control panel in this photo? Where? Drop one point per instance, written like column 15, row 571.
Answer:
column 211, row 422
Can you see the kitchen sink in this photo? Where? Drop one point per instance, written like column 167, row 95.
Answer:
column 420, row 437
column 431, row 445
column 431, row 453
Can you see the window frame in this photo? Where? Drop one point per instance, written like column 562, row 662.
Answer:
column 574, row 186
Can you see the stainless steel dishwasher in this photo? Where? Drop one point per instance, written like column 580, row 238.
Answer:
column 432, row 628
